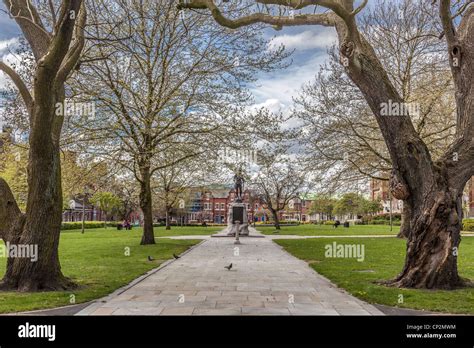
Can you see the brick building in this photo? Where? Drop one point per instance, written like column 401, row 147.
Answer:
column 92, row 213
column 468, row 199
column 379, row 190
column 212, row 206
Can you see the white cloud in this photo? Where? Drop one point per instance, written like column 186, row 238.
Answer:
column 271, row 104
column 7, row 44
column 306, row 40
column 3, row 81
column 11, row 59
column 279, row 88
column 7, row 57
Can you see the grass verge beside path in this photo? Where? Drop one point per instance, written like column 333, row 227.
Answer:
column 95, row 260
column 325, row 230
column 384, row 258
column 159, row 231
column 187, row 231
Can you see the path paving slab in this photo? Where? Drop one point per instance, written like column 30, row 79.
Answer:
column 264, row 280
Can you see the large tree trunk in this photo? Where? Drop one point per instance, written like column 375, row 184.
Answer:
column 432, row 245
column 168, row 225
column 146, row 206
column 40, row 226
column 42, row 223
column 276, row 219
column 406, row 220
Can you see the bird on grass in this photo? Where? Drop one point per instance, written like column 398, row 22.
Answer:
column 228, row 267
column 176, row 256
column 150, row 258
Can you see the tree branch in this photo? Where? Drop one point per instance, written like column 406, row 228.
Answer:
column 325, row 19
column 29, row 21
column 74, row 52
column 20, row 85
column 447, row 22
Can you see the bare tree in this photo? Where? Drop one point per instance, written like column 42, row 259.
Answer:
column 162, row 84
column 340, row 133
column 280, row 179
column 171, row 184
column 56, row 44
column 431, row 190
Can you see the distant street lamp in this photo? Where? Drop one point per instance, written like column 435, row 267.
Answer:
column 86, row 191
column 301, row 210
column 391, row 221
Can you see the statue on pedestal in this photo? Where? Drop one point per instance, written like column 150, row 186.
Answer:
column 239, row 186
column 237, row 217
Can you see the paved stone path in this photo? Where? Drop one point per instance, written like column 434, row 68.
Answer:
column 264, row 280
column 288, row 236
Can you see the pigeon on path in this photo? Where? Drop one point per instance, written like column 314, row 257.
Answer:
column 228, row 267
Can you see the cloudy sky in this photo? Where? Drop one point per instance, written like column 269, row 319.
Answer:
column 273, row 90
column 310, row 44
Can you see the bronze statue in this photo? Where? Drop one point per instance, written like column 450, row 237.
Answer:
column 239, row 184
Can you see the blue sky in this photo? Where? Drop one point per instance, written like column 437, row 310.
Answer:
column 274, row 90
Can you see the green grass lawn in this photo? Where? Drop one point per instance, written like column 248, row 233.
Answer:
column 325, row 230
column 160, row 231
column 97, row 262
column 185, row 231
column 384, row 258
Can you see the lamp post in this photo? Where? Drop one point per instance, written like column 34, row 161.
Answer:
column 391, row 222
column 301, row 209
column 86, row 191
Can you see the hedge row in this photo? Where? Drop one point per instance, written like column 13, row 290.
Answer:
column 385, row 222
column 77, row 225
column 208, row 224
column 468, row 225
column 386, row 216
column 281, row 222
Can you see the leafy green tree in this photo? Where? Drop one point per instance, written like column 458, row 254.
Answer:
column 107, row 202
column 372, row 207
column 323, row 205
column 349, row 203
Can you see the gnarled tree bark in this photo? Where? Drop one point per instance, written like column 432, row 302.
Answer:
column 55, row 56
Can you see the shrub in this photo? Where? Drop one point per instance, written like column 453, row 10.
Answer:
column 379, row 222
column 385, row 222
column 77, row 225
column 329, row 222
column 386, row 216
column 288, row 222
column 468, row 225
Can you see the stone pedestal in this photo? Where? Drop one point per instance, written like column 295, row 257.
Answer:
column 237, row 212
